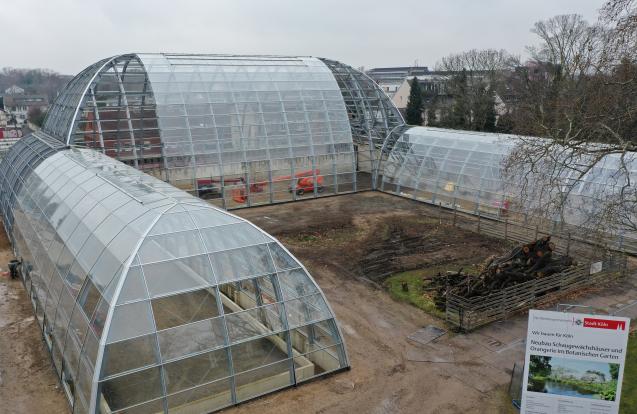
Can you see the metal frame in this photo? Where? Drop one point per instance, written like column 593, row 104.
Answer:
column 373, row 116
column 479, row 187
column 189, row 77
column 141, row 202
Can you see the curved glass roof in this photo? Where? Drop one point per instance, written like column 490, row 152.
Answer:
column 152, row 300
column 239, row 130
column 372, row 114
column 464, row 169
column 375, row 121
column 63, row 111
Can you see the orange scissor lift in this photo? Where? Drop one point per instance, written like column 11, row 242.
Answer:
column 303, row 182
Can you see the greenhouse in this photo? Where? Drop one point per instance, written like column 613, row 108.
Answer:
column 236, row 130
column 150, row 299
column 463, row 170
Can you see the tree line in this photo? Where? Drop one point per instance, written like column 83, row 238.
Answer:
column 33, row 81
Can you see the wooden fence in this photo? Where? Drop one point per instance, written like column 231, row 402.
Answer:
column 522, row 228
column 571, row 240
column 467, row 314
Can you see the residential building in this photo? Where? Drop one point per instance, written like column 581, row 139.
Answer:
column 17, row 104
column 432, row 84
column 390, row 79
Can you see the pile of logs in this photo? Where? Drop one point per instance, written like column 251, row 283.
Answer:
column 523, row 263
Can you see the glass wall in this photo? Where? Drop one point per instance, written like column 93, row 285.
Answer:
column 152, row 300
column 63, row 111
column 449, row 168
column 463, row 170
column 235, row 130
column 373, row 119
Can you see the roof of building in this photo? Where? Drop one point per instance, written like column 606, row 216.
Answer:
column 399, row 69
column 14, row 90
column 25, row 100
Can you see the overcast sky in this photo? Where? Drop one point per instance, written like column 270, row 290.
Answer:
column 68, row 35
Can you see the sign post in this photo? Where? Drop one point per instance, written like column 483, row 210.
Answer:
column 574, row 363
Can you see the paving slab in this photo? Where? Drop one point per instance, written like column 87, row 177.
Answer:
column 427, row 334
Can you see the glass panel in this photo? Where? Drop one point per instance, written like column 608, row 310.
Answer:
column 178, row 275
column 196, row 370
column 89, row 297
column 282, row 260
column 231, row 236
column 295, row 283
column 106, row 268
column 128, row 355
column 172, row 222
column 249, row 293
column 170, row 246
column 84, row 380
column 91, row 345
column 205, row 218
column 72, row 348
column 75, row 277
column 314, row 336
column 259, row 352
column 131, row 320
column 306, row 309
column 205, row 398
column 122, row 392
column 255, row 322
column 175, row 310
column 191, row 338
column 241, row 263
column 99, row 317
column 262, row 380
column 134, row 287
column 318, row 363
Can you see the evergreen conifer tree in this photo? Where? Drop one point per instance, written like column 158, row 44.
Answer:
column 414, row 104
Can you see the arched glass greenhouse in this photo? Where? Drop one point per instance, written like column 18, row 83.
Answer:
column 237, row 130
column 463, row 170
column 448, row 167
column 152, row 300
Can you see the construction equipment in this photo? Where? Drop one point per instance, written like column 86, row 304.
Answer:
column 211, row 188
column 301, row 183
column 304, row 182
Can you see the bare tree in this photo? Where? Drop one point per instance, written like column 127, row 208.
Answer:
column 621, row 17
column 476, row 76
column 489, row 61
column 583, row 103
column 568, row 43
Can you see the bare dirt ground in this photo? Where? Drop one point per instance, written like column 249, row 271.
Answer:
column 343, row 242
column 27, row 378
column 336, row 238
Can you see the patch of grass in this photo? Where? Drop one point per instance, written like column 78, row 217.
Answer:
column 416, row 280
column 505, row 404
column 628, row 402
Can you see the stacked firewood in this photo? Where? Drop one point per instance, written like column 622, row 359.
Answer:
column 527, row 262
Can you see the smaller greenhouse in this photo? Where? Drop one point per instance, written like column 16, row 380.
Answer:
column 151, row 300
column 463, row 170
